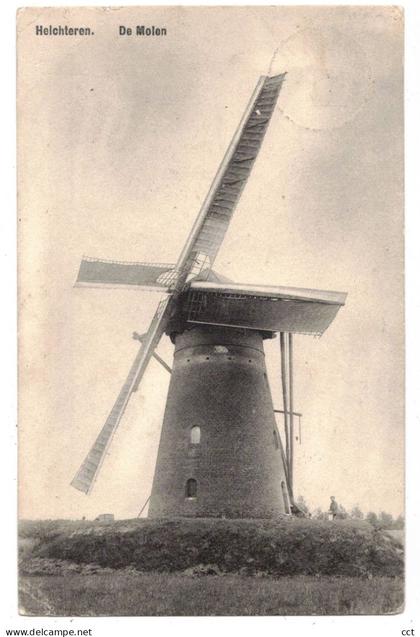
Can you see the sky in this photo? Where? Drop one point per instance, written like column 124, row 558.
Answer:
column 119, row 139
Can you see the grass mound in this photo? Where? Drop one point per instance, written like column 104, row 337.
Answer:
column 197, row 546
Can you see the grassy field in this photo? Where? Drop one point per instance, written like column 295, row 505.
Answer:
column 208, row 567
column 157, row 594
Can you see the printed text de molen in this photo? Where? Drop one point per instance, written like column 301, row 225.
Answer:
column 141, row 29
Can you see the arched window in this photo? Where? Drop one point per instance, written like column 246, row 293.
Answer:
column 195, row 435
column 191, row 488
column 285, row 497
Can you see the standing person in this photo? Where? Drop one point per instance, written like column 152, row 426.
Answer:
column 333, row 507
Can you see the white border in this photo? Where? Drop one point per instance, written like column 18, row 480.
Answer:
column 325, row 626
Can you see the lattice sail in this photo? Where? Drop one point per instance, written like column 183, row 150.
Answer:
column 216, row 212
column 105, row 273
column 86, row 475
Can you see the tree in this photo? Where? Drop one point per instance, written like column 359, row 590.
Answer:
column 356, row 513
column 385, row 520
column 372, row 518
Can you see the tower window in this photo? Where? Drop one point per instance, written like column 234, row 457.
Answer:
column 195, row 435
column 276, row 440
column 191, row 488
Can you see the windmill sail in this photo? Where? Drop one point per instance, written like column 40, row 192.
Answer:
column 105, row 273
column 216, row 212
column 86, row 475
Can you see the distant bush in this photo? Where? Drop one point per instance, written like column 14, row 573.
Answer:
column 385, row 521
column 356, row 513
column 268, row 547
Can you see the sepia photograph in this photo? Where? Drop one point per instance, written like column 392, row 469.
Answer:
column 211, row 311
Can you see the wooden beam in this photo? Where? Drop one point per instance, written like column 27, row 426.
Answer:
column 144, row 506
column 162, row 362
column 291, row 423
column 281, row 411
column 285, row 401
column 284, row 461
column 140, row 337
column 300, row 416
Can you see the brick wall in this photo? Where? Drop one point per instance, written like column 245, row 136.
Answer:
column 219, row 384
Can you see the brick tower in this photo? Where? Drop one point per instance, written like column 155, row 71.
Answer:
column 219, row 452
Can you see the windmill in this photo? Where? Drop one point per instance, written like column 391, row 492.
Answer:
column 220, row 451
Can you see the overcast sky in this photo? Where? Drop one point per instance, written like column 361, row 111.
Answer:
column 119, row 140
